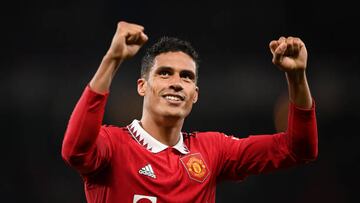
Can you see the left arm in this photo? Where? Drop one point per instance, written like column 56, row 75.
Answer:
column 299, row 144
column 290, row 55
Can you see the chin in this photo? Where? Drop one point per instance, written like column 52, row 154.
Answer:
column 174, row 114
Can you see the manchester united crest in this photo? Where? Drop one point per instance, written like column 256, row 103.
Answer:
column 196, row 167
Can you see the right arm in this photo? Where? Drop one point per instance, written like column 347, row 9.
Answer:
column 85, row 146
column 126, row 42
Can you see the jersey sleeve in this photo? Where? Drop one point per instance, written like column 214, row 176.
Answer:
column 86, row 145
column 265, row 153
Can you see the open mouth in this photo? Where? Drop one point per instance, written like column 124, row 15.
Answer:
column 174, row 97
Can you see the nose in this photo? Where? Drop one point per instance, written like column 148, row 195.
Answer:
column 176, row 83
column 176, row 86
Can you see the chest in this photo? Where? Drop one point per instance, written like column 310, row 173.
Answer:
column 168, row 167
column 167, row 176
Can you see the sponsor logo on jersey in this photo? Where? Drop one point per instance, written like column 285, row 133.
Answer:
column 196, row 167
column 148, row 171
column 144, row 199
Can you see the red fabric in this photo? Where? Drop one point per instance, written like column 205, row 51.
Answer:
column 110, row 160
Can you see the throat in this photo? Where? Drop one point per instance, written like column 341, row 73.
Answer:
column 163, row 132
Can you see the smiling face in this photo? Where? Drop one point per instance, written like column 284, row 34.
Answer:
column 170, row 89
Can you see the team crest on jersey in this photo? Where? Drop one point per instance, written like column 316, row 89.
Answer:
column 196, row 167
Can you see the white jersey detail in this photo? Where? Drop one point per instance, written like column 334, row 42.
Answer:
column 137, row 198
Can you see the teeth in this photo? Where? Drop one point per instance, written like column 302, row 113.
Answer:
column 173, row 98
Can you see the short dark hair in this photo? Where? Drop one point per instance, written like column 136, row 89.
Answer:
column 164, row 45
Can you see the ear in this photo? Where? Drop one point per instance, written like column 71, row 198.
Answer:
column 141, row 86
column 196, row 95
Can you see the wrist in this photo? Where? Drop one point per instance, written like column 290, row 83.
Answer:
column 111, row 57
column 296, row 77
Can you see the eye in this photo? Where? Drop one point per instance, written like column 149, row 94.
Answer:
column 188, row 76
column 164, row 73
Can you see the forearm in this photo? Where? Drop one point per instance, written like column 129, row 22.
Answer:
column 299, row 91
column 302, row 132
column 302, row 127
column 103, row 77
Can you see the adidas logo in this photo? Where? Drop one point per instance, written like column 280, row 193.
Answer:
column 148, row 171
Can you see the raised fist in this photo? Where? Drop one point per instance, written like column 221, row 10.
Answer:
column 289, row 54
column 127, row 41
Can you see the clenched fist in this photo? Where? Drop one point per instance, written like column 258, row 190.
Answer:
column 127, row 41
column 289, row 54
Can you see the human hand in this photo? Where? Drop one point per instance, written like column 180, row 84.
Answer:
column 127, row 41
column 289, row 54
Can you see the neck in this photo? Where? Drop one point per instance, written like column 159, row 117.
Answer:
column 166, row 130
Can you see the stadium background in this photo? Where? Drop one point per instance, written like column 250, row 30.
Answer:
column 50, row 50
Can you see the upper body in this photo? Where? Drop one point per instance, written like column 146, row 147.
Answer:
column 152, row 157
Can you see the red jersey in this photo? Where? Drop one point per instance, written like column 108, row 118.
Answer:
column 126, row 164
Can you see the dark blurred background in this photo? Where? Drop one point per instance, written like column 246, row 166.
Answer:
column 50, row 50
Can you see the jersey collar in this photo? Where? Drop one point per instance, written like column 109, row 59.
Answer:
column 150, row 143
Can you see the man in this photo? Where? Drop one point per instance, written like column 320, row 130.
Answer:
column 151, row 159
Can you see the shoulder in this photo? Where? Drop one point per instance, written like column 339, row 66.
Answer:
column 115, row 132
column 212, row 136
column 113, row 128
column 204, row 135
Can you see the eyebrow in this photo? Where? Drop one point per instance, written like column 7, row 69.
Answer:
column 171, row 68
column 164, row 68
